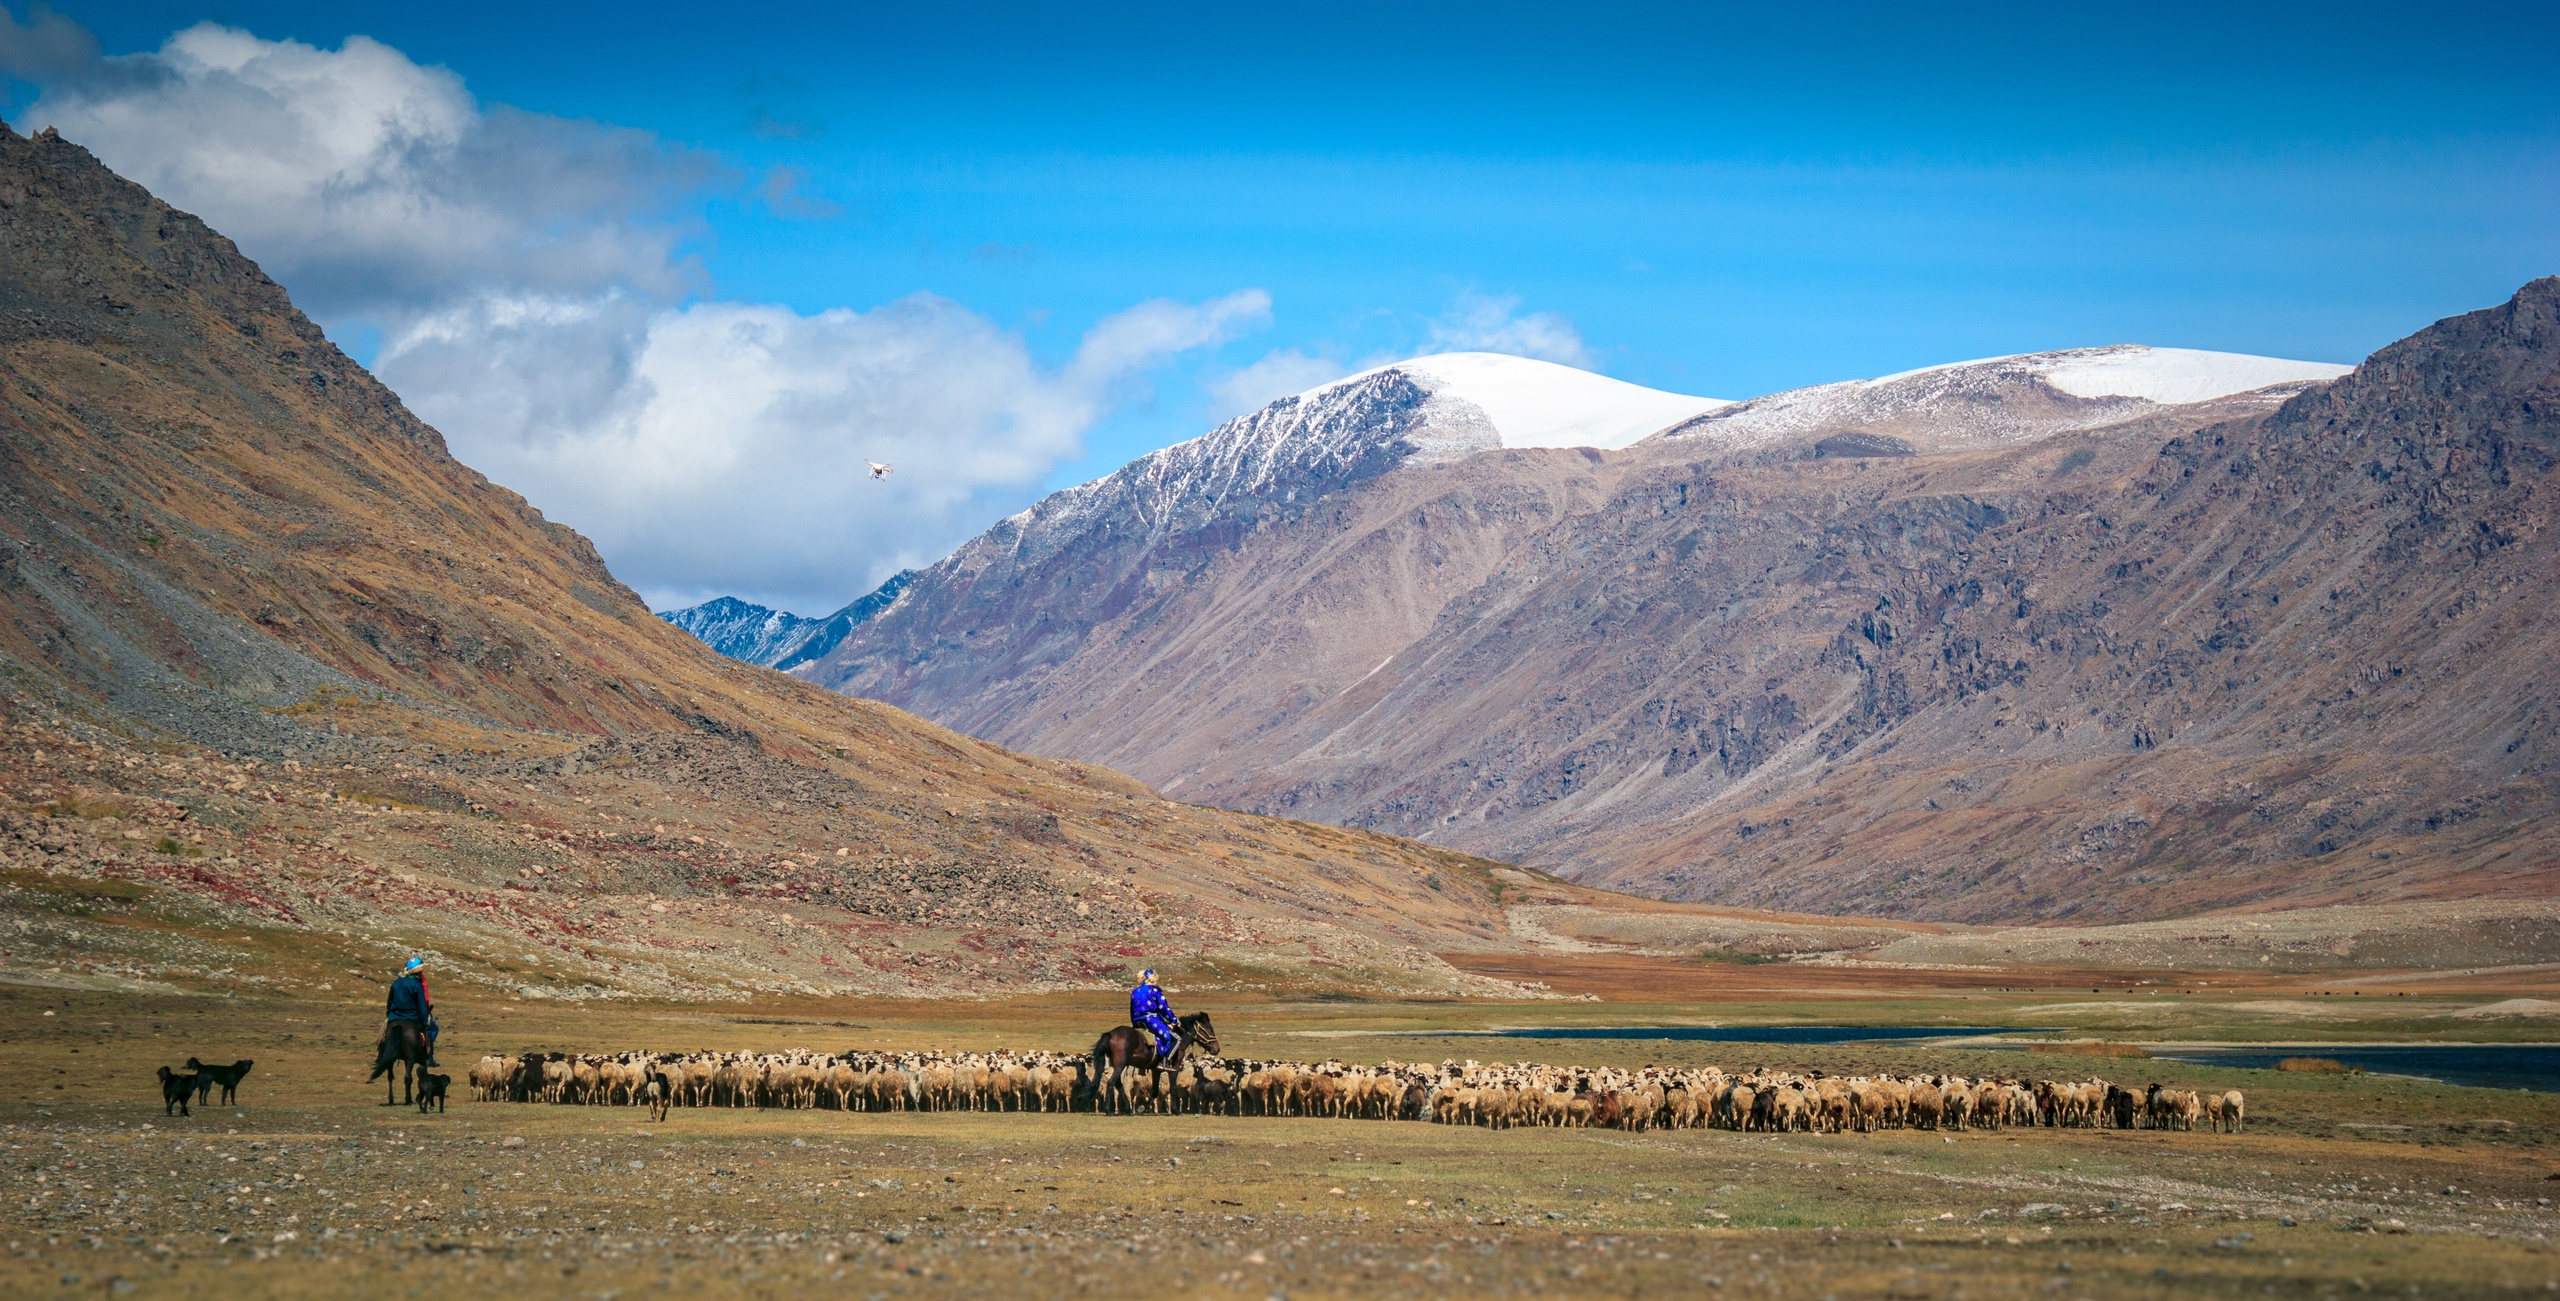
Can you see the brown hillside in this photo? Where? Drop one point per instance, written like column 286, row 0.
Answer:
column 272, row 655
column 186, row 454
column 2302, row 657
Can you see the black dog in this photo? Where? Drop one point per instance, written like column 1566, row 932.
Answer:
column 175, row 1089
column 431, row 1089
column 228, row 1077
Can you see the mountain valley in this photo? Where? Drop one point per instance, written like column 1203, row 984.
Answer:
column 289, row 691
column 2099, row 635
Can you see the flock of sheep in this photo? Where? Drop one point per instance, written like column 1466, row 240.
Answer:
column 1494, row 1095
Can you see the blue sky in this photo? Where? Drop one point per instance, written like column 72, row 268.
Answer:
column 1718, row 200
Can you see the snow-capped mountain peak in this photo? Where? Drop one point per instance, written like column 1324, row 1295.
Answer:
column 2168, row 376
column 1426, row 410
column 1995, row 400
column 1532, row 403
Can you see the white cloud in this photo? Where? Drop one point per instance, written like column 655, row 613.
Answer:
column 1476, row 323
column 530, row 278
column 373, row 187
column 780, row 191
column 1152, row 331
column 721, row 447
column 46, row 45
column 1279, row 373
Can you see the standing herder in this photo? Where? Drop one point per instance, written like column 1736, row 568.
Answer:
column 410, row 1002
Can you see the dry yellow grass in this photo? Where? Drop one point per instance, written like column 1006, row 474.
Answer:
column 320, row 1191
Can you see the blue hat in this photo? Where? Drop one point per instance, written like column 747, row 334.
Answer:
column 414, row 964
column 1148, row 974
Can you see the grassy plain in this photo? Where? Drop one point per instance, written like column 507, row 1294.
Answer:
column 310, row 1187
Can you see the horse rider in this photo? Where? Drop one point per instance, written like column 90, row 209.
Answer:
column 409, row 1002
column 1149, row 1011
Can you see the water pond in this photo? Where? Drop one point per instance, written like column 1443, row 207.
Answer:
column 2535, row 1067
column 1763, row 1034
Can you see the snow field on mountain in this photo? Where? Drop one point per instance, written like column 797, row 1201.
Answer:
column 2168, row 376
column 1992, row 400
column 1541, row 404
column 2171, row 376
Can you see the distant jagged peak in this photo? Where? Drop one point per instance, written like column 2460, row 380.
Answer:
column 1995, row 400
column 742, row 629
column 779, row 639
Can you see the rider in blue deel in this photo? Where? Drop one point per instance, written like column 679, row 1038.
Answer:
column 1149, row 1012
column 410, row 1002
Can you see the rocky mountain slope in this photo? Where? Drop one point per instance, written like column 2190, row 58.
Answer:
column 1095, row 592
column 1428, row 410
column 272, row 661
column 2108, row 633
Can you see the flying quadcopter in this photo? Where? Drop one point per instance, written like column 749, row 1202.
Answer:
column 878, row 471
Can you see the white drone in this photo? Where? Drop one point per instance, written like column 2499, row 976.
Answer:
column 878, row 471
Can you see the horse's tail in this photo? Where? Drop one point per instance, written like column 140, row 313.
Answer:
column 1096, row 1086
column 387, row 1053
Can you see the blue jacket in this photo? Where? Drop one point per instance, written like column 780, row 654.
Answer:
column 1146, row 1003
column 408, row 1001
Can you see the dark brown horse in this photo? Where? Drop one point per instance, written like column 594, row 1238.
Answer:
column 1128, row 1046
column 402, row 1041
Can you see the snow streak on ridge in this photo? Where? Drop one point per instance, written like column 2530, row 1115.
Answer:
column 2011, row 399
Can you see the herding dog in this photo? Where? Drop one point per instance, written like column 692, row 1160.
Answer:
column 175, row 1089
column 431, row 1089
column 228, row 1077
column 659, row 1093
